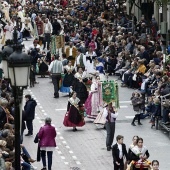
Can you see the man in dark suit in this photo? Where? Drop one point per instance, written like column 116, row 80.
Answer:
column 118, row 151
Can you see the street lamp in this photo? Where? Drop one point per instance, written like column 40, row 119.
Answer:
column 18, row 68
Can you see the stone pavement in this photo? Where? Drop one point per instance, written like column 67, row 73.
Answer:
column 85, row 149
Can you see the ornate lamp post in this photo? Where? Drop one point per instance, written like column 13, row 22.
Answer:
column 19, row 67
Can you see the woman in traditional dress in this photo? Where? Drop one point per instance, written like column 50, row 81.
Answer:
column 134, row 143
column 139, row 152
column 43, row 67
column 28, row 31
column 68, row 78
column 74, row 117
column 94, row 100
column 8, row 29
column 79, row 85
column 100, row 69
column 90, row 57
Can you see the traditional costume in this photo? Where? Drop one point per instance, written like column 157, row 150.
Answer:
column 100, row 69
column 89, row 65
column 79, row 87
column 5, row 9
column 28, row 24
column 94, row 100
column 67, row 80
column 20, row 14
column 80, row 61
column 8, row 30
column 71, row 54
column 40, row 29
column 74, row 116
column 136, row 162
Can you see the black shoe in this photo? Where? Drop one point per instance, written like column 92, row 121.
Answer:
column 44, row 169
column 152, row 126
column 108, row 148
column 133, row 124
column 29, row 134
column 140, row 123
column 56, row 96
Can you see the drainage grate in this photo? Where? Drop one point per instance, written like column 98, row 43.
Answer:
column 124, row 121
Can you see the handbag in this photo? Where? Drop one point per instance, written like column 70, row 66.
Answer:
column 36, row 140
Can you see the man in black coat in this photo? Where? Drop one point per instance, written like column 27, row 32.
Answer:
column 118, row 152
column 29, row 110
column 56, row 27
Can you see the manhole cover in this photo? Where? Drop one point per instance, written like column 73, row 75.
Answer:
column 124, row 121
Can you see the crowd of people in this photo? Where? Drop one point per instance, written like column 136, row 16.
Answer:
column 7, row 128
column 100, row 40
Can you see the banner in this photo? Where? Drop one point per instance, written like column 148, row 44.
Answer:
column 53, row 44
column 59, row 41
column 110, row 92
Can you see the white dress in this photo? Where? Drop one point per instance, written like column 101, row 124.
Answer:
column 89, row 63
column 9, row 31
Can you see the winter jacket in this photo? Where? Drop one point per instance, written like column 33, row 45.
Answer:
column 157, row 110
column 138, row 103
column 47, row 135
column 29, row 109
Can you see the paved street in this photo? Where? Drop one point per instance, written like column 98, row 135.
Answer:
column 85, row 149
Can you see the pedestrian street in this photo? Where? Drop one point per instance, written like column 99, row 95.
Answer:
column 85, row 149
